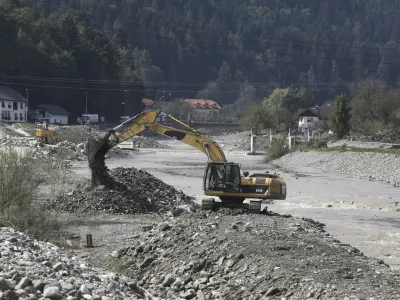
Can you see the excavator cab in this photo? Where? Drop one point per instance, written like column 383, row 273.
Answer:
column 222, row 177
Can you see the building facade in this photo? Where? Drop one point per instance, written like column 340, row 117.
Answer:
column 53, row 114
column 13, row 106
column 203, row 110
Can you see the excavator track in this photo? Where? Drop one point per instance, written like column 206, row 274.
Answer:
column 254, row 206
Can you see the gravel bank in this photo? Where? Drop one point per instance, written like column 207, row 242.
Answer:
column 234, row 255
column 240, row 141
column 30, row 269
column 359, row 144
column 369, row 165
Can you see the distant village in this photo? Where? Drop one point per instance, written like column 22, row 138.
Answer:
column 15, row 109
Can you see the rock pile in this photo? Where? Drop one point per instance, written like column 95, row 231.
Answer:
column 145, row 142
column 387, row 136
column 216, row 255
column 134, row 191
column 77, row 134
column 64, row 150
column 30, row 269
column 241, row 142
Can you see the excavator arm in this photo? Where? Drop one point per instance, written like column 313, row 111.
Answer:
column 147, row 121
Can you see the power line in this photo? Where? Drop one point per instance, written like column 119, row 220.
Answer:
column 139, row 90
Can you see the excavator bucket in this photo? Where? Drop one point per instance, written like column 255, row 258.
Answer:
column 96, row 151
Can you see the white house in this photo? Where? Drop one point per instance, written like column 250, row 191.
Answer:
column 14, row 106
column 307, row 118
column 53, row 114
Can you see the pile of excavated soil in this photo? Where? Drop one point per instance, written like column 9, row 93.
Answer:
column 220, row 255
column 132, row 191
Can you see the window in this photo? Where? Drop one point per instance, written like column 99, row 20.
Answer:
column 21, row 105
column 3, row 104
column 16, row 116
column 21, row 117
column 15, row 105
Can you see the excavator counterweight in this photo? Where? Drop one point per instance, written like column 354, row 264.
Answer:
column 221, row 178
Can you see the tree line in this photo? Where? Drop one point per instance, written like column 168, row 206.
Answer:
column 60, row 59
column 229, row 49
column 370, row 106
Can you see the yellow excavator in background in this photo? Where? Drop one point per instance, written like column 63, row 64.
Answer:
column 43, row 132
column 221, row 179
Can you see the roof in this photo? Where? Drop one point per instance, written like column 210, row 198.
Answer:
column 54, row 109
column 148, row 102
column 203, row 104
column 322, row 112
column 306, row 113
column 7, row 93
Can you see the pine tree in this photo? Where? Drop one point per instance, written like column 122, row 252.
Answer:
column 339, row 119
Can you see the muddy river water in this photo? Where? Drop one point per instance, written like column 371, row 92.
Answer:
column 356, row 211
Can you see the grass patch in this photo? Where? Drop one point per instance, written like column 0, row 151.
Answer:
column 19, row 207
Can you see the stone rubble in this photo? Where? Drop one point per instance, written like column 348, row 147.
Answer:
column 135, row 191
column 64, row 150
column 30, row 269
column 146, row 142
column 234, row 255
column 387, row 136
column 368, row 165
column 241, row 141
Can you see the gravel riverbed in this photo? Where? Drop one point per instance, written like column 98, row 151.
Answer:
column 368, row 165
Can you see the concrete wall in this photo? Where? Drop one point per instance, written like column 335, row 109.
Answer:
column 13, row 111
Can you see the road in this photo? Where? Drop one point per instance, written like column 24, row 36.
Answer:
column 355, row 211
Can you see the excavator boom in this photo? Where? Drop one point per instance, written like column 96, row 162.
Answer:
column 147, row 121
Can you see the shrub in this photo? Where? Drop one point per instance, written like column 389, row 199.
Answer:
column 18, row 192
column 277, row 148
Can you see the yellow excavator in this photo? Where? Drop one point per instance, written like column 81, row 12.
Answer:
column 43, row 132
column 221, row 179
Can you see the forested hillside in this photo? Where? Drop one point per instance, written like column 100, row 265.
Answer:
column 228, row 49
column 57, row 59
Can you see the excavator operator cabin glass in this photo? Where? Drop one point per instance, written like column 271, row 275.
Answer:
column 214, row 178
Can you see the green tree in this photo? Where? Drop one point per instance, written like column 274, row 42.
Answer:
column 256, row 117
column 339, row 119
column 178, row 109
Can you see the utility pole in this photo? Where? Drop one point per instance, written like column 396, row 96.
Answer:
column 86, row 111
column 163, row 99
column 27, row 94
column 86, row 102
column 126, row 101
column 170, row 98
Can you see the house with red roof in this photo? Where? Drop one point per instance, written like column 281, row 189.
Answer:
column 203, row 110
